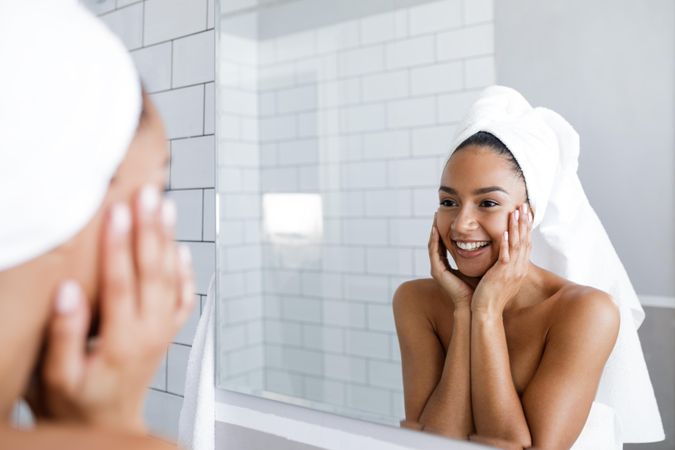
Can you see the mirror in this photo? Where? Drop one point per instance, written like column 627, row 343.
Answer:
column 334, row 121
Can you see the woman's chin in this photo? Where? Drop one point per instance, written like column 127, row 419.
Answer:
column 471, row 270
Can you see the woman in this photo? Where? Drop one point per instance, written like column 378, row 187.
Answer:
column 92, row 285
column 501, row 347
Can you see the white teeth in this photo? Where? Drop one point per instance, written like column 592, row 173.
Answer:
column 471, row 245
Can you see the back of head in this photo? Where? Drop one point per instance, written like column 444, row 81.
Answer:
column 70, row 100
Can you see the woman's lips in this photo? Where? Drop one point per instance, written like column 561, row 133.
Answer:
column 468, row 254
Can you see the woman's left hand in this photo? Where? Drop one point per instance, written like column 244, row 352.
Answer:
column 502, row 281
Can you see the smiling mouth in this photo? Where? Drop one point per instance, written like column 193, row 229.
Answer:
column 471, row 246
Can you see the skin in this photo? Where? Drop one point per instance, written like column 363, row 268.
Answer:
column 129, row 276
column 498, row 351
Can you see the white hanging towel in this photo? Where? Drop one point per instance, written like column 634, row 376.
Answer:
column 196, row 426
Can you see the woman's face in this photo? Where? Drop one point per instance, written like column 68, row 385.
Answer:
column 479, row 188
column 144, row 163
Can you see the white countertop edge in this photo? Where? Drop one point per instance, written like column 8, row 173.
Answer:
column 657, row 301
column 321, row 429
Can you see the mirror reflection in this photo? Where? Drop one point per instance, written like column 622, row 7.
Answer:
column 396, row 243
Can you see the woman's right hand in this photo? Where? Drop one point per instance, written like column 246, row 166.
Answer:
column 449, row 278
column 146, row 294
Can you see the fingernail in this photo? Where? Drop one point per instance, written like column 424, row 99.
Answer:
column 525, row 208
column 149, row 198
column 185, row 255
column 121, row 218
column 68, row 298
column 506, row 235
column 516, row 215
column 168, row 213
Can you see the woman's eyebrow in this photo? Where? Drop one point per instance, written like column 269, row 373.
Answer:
column 447, row 189
column 480, row 191
column 489, row 189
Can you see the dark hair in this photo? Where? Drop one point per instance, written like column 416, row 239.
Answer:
column 485, row 139
column 144, row 107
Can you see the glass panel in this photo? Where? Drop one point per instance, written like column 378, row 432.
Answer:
column 324, row 108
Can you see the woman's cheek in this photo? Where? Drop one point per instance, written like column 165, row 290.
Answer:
column 496, row 224
column 443, row 220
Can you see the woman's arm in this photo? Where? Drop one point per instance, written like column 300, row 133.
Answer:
column 436, row 383
column 436, row 386
column 448, row 410
column 497, row 409
column 558, row 399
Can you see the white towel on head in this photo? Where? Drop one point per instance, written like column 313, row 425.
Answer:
column 70, row 101
column 196, row 426
column 569, row 240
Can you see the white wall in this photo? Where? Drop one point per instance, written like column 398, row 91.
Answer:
column 609, row 68
column 172, row 43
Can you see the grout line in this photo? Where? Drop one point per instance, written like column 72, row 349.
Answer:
column 173, row 394
column 189, row 241
column 143, row 26
column 192, row 188
column 164, row 41
column 166, row 370
column 204, row 110
column 171, row 73
column 202, row 224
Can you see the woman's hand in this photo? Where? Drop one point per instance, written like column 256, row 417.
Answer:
column 448, row 278
column 147, row 293
column 502, row 281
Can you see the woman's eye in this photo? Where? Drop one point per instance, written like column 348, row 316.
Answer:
column 448, row 203
column 488, row 203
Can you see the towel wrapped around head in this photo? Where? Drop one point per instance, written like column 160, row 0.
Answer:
column 70, row 101
column 569, row 240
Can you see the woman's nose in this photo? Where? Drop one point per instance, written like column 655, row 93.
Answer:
column 464, row 221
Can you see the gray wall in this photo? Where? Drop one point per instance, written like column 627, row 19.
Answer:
column 657, row 335
column 609, row 68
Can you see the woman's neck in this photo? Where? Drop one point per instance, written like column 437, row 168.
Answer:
column 538, row 284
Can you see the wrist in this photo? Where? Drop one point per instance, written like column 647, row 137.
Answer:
column 462, row 309
column 486, row 315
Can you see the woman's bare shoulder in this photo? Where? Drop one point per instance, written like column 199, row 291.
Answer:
column 423, row 296
column 579, row 307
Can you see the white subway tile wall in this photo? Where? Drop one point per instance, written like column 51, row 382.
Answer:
column 362, row 113
column 241, row 351
column 172, row 44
